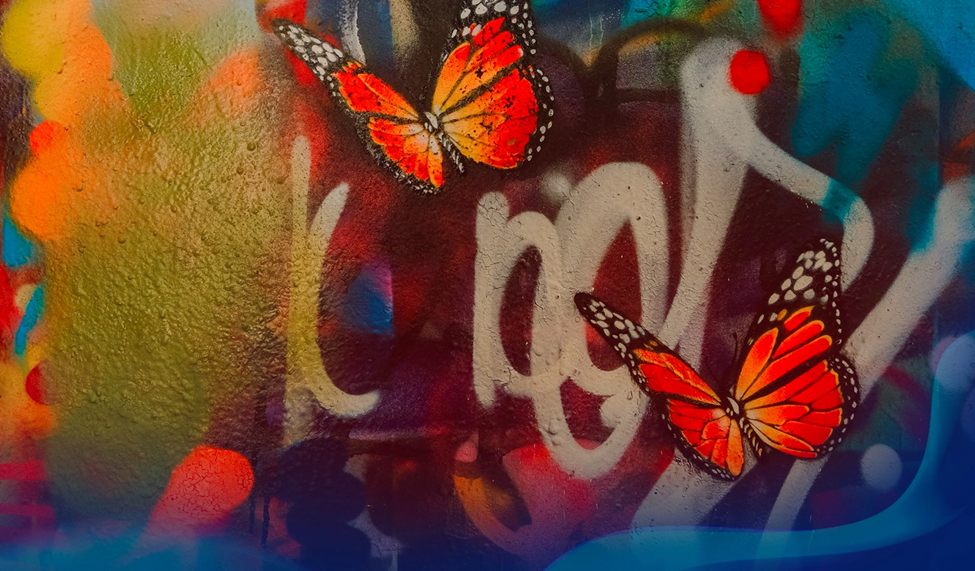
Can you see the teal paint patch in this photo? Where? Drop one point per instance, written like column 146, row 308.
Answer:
column 32, row 314
column 78, row 552
column 920, row 221
column 950, row 28
column 17, row 249
column 852, row 93
column 838, row 203
column 640, row 10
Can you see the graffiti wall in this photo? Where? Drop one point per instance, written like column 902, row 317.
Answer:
column 486, row 284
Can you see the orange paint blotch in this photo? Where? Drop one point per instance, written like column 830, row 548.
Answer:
column 235, row 86
column 73, row 88
column 40, row 196
column 36, row 202
column 21, row 418
column 715, row 9
column 43, row 136
column 202, row 491
column 554, row 517
column 749, row 72
column 967, row 143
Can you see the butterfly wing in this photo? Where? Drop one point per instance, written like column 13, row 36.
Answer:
column 394, row 132
column 798, row 394
column 492, row 105
column 694, row 413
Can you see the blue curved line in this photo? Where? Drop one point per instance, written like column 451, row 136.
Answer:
column 920, row 510
column 32, row 314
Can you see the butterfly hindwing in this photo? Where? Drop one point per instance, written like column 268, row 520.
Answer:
column 807, row 416
column 394, row 132
column 708, row 435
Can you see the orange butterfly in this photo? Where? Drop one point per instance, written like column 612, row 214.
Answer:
column 793, row 391
column 487, row 103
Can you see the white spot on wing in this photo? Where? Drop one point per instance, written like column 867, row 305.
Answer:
column 803, row 282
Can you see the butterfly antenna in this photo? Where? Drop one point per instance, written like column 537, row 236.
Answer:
column 708, row 365
column 734, row 356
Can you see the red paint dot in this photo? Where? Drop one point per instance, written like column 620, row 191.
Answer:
column 781, row 16
column 43, row 136
column 749, row 72
column 37, row 387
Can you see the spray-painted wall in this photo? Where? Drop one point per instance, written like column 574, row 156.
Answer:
column 306, row 297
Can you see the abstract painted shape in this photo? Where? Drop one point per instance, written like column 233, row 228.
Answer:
column 203, row 490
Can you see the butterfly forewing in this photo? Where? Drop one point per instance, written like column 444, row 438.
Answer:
column 708, row 435
column 797, row 392
column 394, row 132
column 693, row 411
column 622, row 334
column 495, row 108
column 321, row 57
column 519, row 15
column 475, row 65
column 807, row 416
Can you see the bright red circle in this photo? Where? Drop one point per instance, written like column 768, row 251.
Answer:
column 749, row 73
column 783, row 17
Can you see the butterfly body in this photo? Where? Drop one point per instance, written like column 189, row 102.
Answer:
column 792, row 389
column 488, row 104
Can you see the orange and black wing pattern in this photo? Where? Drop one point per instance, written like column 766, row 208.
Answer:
column 697, row 417
column 493, row 107
column 394, row 132
column 793, row 391
column 796, row 391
